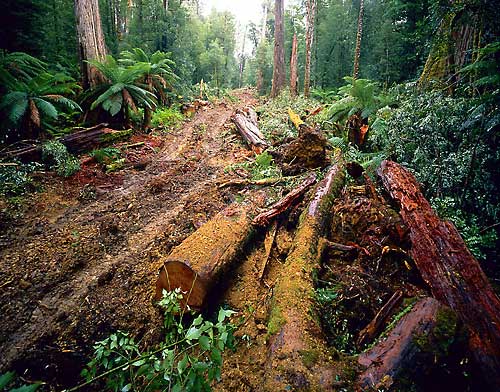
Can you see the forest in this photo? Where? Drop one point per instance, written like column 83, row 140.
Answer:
column 195, row 200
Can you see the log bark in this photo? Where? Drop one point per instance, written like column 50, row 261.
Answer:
column 415, row 338
column 248, row 129
column 91, row 42
column 453, row 274
column 297, row 357
column 202, row 259
column 285, row 203
column 377, row 324
column 77, row 142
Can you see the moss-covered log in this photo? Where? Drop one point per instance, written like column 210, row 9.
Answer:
column 297, row 354
column 80, row 141
column 415, row 341
column 202, row 259
column 453, row 274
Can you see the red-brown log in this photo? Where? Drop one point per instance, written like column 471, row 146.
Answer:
column 451, row 271
column 282, row 205
column 413, row 337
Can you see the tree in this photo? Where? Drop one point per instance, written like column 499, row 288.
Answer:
column 121, row 90
column 293, row 67
column 279, row 75
column 91, row 45
column 311, row 15
column 357, row 51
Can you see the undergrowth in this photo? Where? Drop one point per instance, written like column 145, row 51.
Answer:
column 274, row 119
column 262, row 167
column 189, row 358
column 56, row 155
column 15, row 178
column 166, row 118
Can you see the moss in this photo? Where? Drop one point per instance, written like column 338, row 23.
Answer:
column 443, row 334
column 309, row 357
column 276, row 320
column 114, row 136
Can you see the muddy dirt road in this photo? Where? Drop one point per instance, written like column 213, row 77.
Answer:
column 75, row 268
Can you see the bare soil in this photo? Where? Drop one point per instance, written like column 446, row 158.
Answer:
column 79, row 258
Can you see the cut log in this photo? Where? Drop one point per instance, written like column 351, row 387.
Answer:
column 77, row 142
column 376, row 326
column 297, row 357
column 285, row 203
column 412, row 344
column 453, row 274
column 199, row 262
column 250, row 132
column 252, row 115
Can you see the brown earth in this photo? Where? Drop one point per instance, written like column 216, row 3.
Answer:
column 78, row 259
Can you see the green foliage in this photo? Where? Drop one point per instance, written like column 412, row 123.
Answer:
column 122, row 90
column 334, row 319
column 274, row 119
column 34, row 97
column 166, row 118
column 57, row 156
column 158, row 74
column 357, row 96
column 262, row 167
column 109, row 157
column 8, row 383
column 477, row 239
column 486, row 70
column 189, row 358
column 15, row 179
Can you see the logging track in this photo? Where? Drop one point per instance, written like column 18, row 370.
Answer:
column 72, row 271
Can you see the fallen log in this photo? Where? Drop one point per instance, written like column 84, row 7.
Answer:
column 264, row 181
column 376, row 326
column 297, row 357
column 282, row 205
column 447, row 266
column 413, row 344
column 77, row 142
column 248, row 129
column 198, row 263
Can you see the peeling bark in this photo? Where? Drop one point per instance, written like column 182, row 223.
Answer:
column 447, row 266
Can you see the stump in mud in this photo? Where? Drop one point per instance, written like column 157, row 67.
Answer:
column 306, row 152
column 297, row 355
column 202, row 259
column 412, row 344
column 453, row 274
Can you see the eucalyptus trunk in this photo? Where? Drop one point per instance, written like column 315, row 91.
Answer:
column 91, row 42
column 357, row 52
column 311, row 14
column 279, row 75
column 293, row 67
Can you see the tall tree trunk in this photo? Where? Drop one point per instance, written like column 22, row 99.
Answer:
column 357, row 52
column 311, row 14
column 293, row 67
column 264, row 23
column 279, row 75
column 90, row 39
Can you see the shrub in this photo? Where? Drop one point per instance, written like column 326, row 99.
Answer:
column 15, row 179
column 165, row 118
column 189, row 359
column 59, row 159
